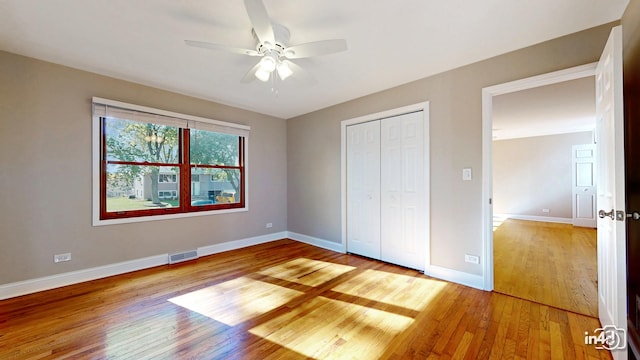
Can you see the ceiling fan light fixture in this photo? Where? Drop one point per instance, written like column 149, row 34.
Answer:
column 284, row 71
column 272, row 47
column 263, row 75
column 268, row 63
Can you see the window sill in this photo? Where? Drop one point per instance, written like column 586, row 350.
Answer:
column 99, row 222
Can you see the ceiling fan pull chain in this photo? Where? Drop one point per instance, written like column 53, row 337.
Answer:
column 274, row 85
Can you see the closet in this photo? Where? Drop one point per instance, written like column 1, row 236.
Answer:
column 386, row 189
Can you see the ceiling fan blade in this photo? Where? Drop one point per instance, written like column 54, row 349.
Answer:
column 301, row 74
column 315, row 48
column 212, row 46
column 260, row 20
column 251, row 74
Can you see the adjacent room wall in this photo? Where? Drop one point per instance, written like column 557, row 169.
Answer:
column 531, row 174
column 45, row 174
column 313, row 145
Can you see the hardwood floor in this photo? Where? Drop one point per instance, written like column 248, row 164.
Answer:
column 552, row 264
column 285, row 300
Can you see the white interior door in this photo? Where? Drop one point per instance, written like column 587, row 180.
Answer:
column 584, row 185
column 403, row 191
column 363, row 189
column 611, row 189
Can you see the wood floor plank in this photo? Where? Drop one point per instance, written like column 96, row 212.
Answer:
column 285, row 300
column 548, row 263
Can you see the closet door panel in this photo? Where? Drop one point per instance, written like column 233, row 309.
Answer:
column 403, row 239
column 363, row 189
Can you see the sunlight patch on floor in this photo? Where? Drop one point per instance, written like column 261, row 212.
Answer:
column 327, row 328
column 237, row 300
column 400, row 290
column 306, row 271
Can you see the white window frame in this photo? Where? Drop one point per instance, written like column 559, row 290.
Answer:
column 200, row 123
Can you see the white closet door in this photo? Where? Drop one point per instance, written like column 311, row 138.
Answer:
column 363, row 189
column 403, row 191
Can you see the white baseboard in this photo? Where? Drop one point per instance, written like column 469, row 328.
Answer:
column 325, row 244
column 550, row 219
column 459, row 277
column 50, row 282
column 54, row 281
column 239, row 244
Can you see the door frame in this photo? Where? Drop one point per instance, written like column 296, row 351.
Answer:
column 488, row 93
column 422, row 106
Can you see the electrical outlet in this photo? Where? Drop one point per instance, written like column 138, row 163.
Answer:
column 269, row 225
column 61, row 257
column 545, row 211
column 472, row 259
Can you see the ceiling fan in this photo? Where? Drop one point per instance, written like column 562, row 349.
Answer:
column 273, row 48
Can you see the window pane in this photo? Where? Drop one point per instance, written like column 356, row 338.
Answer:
column 214, row 148
column 137, row 187
column 198, row 189
column 215, row 186
column 138, row 142
column 226, row 186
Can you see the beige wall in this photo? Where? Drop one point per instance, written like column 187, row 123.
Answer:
column 45, row 162
column 45, row 174
column 531, row 174
column 313, row 145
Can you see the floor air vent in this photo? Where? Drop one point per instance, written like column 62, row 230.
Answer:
column 183, row 256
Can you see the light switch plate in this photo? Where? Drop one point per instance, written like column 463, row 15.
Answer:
column 466, row 174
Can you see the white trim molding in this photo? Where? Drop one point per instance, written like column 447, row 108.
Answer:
column 74, row 277
column 548, row 219
column 325, row 244
column 55, row 281
column 239, row 244
column 488, row 93
column 455, row 276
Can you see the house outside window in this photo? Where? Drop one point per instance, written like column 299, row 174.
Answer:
column 168, row 194
column 146, row 154
column 167, row 178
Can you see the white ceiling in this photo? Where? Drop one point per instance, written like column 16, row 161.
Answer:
column 560, row 108
column 390, row 42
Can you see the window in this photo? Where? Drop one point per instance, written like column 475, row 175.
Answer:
column 146, row 155
column 172, row 194
column 167, row 178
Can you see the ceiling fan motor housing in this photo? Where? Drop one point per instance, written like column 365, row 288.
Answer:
column 281, row 35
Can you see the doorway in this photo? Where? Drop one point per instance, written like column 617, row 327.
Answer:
column 540, row 228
